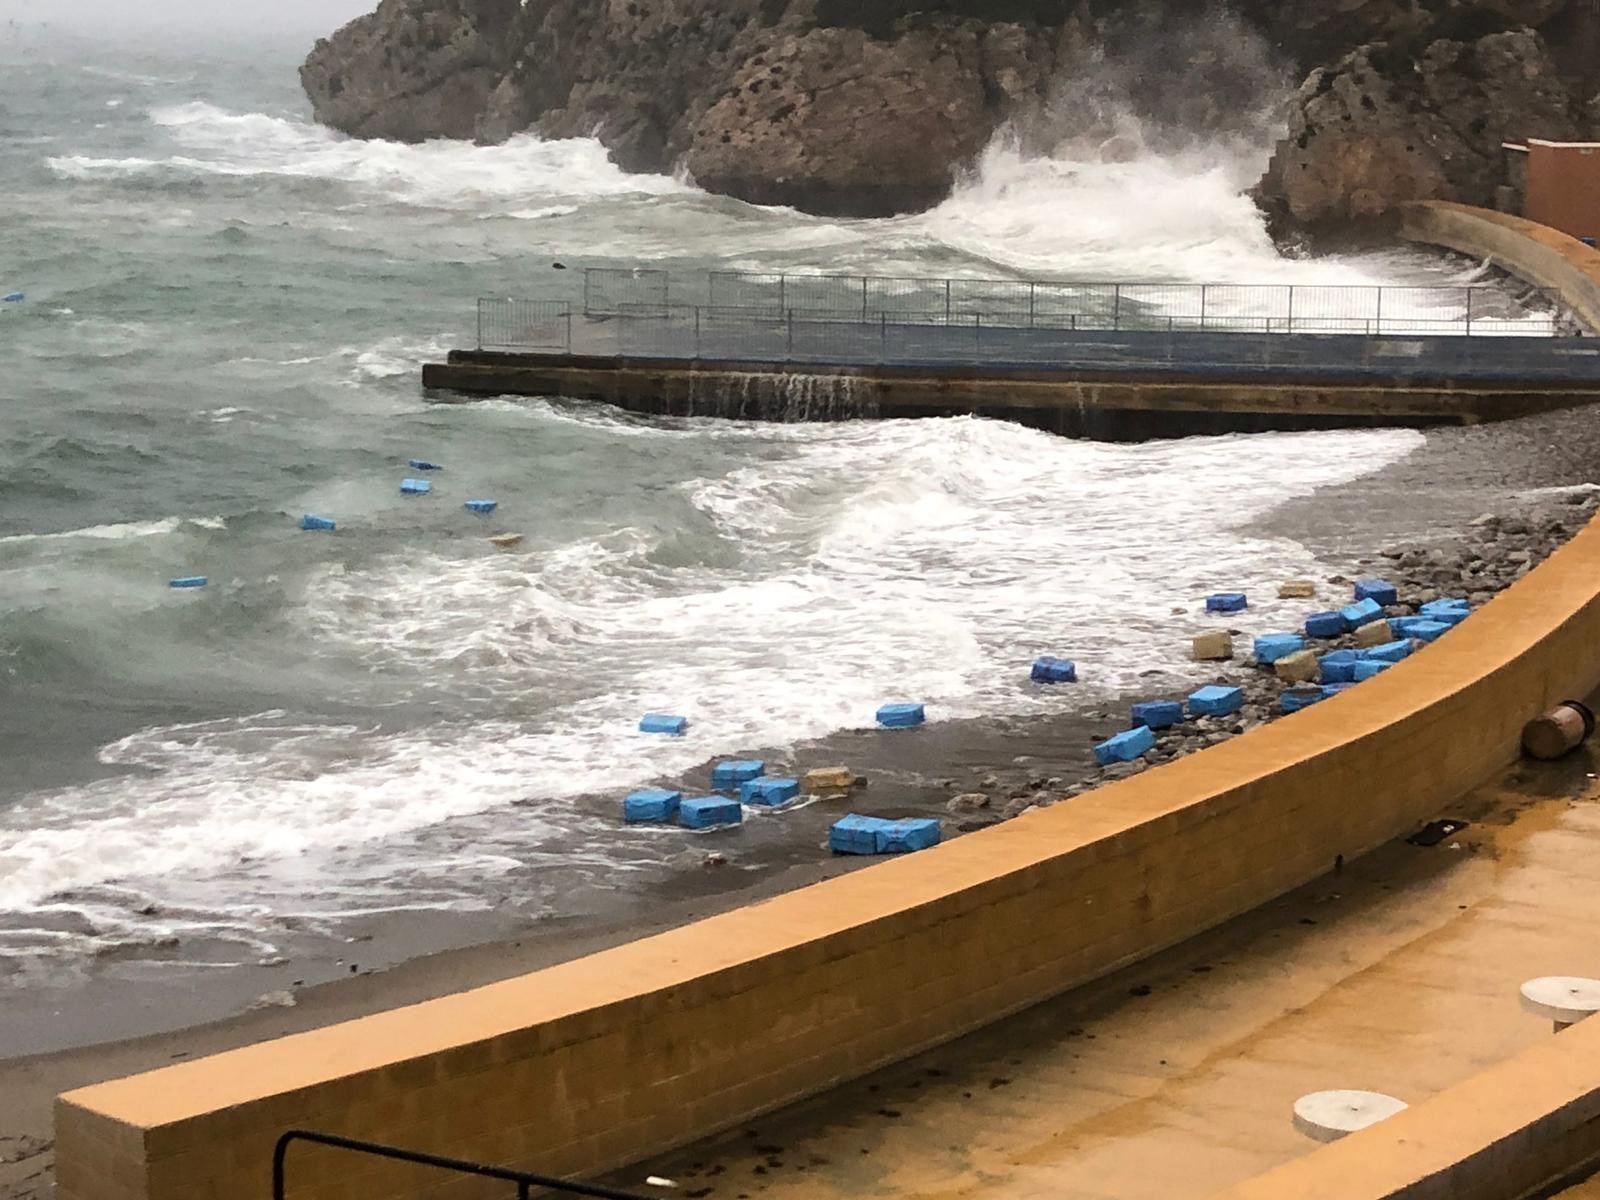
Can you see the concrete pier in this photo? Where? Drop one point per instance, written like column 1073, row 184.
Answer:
column 1110, row 402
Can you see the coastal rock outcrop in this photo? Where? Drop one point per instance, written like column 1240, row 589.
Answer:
column 1384, row 126
column 866, row 107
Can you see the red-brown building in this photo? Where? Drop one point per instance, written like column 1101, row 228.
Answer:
column 1559, row 183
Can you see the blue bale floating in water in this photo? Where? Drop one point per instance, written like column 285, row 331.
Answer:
column 770, row 792
column 729, row 776
column 316, row 524
column 1125, row 747
column 1216, row 701
column 1157, row 714
column 908, row 836
column 1371, row 668
column 855, row 835
column 13, row 298
column 1362, row 612
column 708, row 812
column 901, row 716
column 651, row 805
column 1297, row 698
column 1326, row 625
column 1389, row 652
column 663, row 723
column 415, row 487
column 482, row 507
column 422, row 464
column 1054, row 670
column 1379, row 591
column 1270, row 647
column 189, row 581
column 1227, row 602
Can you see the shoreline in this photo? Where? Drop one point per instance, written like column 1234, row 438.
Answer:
column 1471, row 534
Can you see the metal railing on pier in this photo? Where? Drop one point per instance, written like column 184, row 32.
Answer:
column 645, row 293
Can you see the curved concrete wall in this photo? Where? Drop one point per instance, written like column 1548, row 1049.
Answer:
column 1543, row 256
column 607, row 1059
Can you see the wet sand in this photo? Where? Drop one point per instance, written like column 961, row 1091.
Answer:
column 1432, row 496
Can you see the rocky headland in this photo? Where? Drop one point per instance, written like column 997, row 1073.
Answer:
column 870, row 107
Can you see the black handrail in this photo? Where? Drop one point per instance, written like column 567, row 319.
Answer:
column 525, row 1180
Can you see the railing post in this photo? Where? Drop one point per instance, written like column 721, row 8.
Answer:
column 697, row 333
column 1116, row 306
column 481, row 303
column 1379, row 321
column 947, row 302
column 588, row 284
column 1469, row 310
column 863, row 297
column 1202, row 306
column 1033, row 292
column 783, row 292
column 789, row 350
column 1290, row 328
column 883, row 336
column 569, row 330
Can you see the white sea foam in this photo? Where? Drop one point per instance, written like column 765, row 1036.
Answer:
column 119, row 532
column 444, row 174
column 927, row 560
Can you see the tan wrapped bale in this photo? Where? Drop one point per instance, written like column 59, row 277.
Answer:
column 1301, row 667
column 1374, row 633
column 827, row 781
column 1297, row 589
column 1216, row 646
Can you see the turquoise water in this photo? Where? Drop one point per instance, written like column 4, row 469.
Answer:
column 226, row 310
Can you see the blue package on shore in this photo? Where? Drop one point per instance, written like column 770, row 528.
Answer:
column 1379, row 591
column 1326, row 625
column 708, row 812
column 415, row 487
column 1157, row 714
column 901, row 716
column 651, row 805
column 1270, row 647
column 735, row 773
column 1125, row 747
column 769, row 792
column 1216, row 701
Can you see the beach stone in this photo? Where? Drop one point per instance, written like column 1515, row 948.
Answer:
column 968, row 803
column 1216, row 646
column 1015, row 808
column 283, row 999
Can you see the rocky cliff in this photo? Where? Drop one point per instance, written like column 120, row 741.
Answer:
column 867, row 107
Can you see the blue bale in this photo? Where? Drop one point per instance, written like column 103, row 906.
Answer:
column 314, row 523
column 651, row 805
column 1297, row 698
column 1216, row 701
column 663, row 723
column 188, row 582
column 1054, row 670
column 1370, row 668
column 1270, row 647
column 1326, row 625
column 1449, row 612
column 735, row 773
column 708, row 812
column 769, row 792
column 13, row 298
column 482, row 507
column 415, row 487
column 1379, row 591
column 1338, row 669
column 1330, row 690
column 1157, row 714
column 1227, row 602
column 1124, row 747
column 1401, row 627
column 1429, row 631
column 422, row 464
column 1389, row 652
column 855, row 835
column 1362, row 612
column 901, row 716
column 905, row 837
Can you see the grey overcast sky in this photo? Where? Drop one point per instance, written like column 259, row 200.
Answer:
column 313, row 16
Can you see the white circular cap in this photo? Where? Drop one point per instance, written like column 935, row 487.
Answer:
column 1329, row 1116
column 1564, row 998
